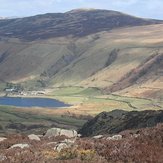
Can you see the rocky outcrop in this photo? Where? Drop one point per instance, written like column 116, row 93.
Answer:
column 118, row 120
column 53, row 132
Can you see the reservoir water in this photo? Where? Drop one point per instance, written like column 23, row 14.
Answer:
column 31, row 102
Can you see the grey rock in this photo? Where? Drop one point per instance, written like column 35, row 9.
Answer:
column 53, row 132
column 79, row 135
column 2, row 139
column 20, row 146
column 115, row 137
column 40, row 136
column 136, row 135
column 61, row 146
column 2, row 157
column 52, row 143
column 69, row 133
column 34, row 137
column 98, row 137
column 67, row 143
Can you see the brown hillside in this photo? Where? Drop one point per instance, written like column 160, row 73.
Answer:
column 153, row 64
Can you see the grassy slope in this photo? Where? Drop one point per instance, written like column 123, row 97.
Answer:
column 33, row 121
column 30, row 61
column 88, row 68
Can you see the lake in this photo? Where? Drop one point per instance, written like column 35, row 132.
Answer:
column 31, row 102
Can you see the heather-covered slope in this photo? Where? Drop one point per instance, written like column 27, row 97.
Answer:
column 144, row 145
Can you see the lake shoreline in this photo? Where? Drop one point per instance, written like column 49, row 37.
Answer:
column 31, row 96
column 32, row 101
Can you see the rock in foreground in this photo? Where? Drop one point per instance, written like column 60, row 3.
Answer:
column 22, row 146
column 53, row 132
column 34, row 137
column 144, row 147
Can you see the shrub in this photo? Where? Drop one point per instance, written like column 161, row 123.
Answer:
column 66, row 154
column 49, row 154
column 86, row 155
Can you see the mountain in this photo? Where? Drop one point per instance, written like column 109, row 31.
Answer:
column 118, row 120
column 84, row 48
column 76, row 23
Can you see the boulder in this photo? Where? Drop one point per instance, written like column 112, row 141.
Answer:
column 61, row 146
column 40, row 136
column 98, row 137
column 53, row 132
column 2, row 157
column 69, row 133
column 136, row 135
column 79, row 135
column 67, row 143
column 20, row 146
column 115, row 137
column 34, row 137
column 2, row 139
column 52, row 143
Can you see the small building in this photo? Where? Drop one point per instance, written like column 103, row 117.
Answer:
column 10, row 89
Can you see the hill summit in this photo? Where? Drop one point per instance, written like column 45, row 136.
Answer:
column 80, row 22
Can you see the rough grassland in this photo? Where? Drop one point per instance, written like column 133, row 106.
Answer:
column 86, row 102
column 25, row 121
column 90, row 101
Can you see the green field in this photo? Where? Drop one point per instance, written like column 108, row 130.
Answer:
column 69, row 91
column 20, row 120
column 85, row 102
column 93, row 96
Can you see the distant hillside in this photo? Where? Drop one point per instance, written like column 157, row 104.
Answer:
column 119, row 120
column 144, row 72
column 76, row 23
column 115, row 52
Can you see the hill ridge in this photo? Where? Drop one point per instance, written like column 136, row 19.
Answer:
column 70, row 23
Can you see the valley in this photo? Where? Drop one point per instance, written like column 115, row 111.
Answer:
column 117, row 65
column 86, row 103
column 89, row 61
column 81, row 86
column 85, row 76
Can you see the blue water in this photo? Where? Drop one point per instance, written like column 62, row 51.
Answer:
column 31, row 102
